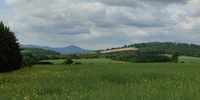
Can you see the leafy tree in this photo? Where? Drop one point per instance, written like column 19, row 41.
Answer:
column 10, row 56
column 175, row 57
column 68, row 61
column 28, row 60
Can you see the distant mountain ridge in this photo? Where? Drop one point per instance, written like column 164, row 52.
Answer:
column 72, row 49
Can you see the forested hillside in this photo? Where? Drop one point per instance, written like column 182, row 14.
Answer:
column 37, row 51
column 168, row 48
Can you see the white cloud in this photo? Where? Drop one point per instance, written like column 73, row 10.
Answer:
column 65, row 22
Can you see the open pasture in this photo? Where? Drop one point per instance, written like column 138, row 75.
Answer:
column 103, row 79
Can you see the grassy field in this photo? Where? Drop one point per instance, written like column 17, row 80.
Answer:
column 187, row 59
column 103, row 79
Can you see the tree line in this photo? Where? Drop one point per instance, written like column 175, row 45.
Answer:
column 142, row 57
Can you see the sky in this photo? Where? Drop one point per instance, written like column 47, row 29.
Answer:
column 99, row 24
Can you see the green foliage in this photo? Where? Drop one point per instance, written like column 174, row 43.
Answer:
column 68, row 61
column 28, row 60
column 10, row 56
column 54, row 56
column 149, row 58
column 139, row 57
column 175, row 57
column 42, row 57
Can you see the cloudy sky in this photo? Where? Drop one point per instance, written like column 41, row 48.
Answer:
column 98, row 24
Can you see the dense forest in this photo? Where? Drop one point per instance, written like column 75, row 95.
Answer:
column 168, row 48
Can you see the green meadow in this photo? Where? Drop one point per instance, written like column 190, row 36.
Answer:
column 187, row 59
column 103, row 79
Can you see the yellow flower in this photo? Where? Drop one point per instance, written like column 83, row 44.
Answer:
column 26, row 98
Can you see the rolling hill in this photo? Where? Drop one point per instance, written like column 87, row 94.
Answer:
column 169, row 48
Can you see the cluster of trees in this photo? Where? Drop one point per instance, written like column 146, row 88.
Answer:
column 41, row 54
column 120, row 56
column 142, row 57
column 29, row 60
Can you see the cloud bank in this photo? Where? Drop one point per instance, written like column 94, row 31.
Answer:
column 104, row 23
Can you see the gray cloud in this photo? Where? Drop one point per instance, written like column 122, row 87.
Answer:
column 99, row 22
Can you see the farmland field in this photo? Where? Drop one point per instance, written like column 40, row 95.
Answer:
column 103, row 79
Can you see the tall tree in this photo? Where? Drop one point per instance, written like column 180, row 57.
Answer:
column 68, row 61
column 10, row 56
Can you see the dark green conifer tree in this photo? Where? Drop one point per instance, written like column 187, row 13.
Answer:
column 10, row 56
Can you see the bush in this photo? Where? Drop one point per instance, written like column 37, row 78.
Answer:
column 10, row 53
